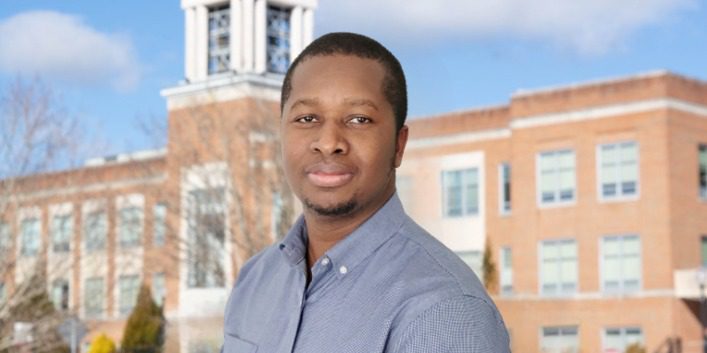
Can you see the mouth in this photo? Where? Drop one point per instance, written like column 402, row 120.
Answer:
column 329, row 175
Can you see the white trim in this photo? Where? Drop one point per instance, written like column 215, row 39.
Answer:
column 224, row 88
column 608, row 111
column 601, row 81
column 651, row 293
column 126, row 157
column 235, row 36
column 599, row 189
column 453, row 139
column 105, row 186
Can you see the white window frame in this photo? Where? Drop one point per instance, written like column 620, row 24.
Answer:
column 463, row 195
column 701, row 192
column 86, row 297
column 22, row 248
column 502, row 191
column 559, row 292
column 538, row 180
column 159, row 225
column 160, row 301
column 622, row 290
column 620, row 196
column 505, row 273
column 57, row 305
column 124, row 310
column 87, row 229
column 560, row 328
column 53, row 231
column 135, row 240
column 622, row 330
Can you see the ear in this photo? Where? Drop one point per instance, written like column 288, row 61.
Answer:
column 400, row 143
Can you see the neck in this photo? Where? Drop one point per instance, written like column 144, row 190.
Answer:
column 324, row 232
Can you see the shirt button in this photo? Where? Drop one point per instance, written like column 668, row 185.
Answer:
column 343, row 270
column 325, row 261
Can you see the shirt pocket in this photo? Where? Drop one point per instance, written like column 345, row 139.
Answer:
column 233, row 344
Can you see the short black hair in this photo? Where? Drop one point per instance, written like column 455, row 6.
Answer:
column 344, row 43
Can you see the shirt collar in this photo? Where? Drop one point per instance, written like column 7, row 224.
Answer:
column 294, row 245
column 355, row 247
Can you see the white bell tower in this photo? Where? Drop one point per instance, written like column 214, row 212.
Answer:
column 229, row 42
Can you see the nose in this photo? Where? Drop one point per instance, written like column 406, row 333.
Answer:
column 330, row 140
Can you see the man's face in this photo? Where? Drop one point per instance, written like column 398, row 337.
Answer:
column 340, row 147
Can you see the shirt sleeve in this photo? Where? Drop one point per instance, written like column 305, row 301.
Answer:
column 464, row 324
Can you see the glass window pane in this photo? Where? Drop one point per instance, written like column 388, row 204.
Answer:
column 611, row 246
column 631, row 245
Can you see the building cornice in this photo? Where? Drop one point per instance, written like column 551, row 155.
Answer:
column 223, row 88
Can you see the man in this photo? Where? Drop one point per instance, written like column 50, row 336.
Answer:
column 354, row 274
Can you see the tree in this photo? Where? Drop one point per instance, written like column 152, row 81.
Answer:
column 144, row 330
column 37, row 135
column 489, row 269
column 32, row 321
column 635, row 348
column 102, row 344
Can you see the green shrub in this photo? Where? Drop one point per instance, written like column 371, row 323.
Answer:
column 102, row 344
column 144, row 331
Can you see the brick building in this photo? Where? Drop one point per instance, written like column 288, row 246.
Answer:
column 591, row 197
column 594, row 200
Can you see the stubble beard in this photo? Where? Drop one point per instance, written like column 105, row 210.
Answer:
column 340, row 210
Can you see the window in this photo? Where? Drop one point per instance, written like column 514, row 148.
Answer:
column 504, row 187
column 560, row 340
column 473, row 259
column 703, row 171
column 278, row 45
column 621, row 263
column 93, row 294
column 277, row 216
column 206, row 222
column 61, row 230
column 506, row 271
column 618, row 170
column 159, row 289
column 219, row 39
column 461, row 192
column 2, row 293
column 556, row 177
column 30, row 234
column 128, row 287
column 159, row 225
column 619, row 338
column 5, row 237
column 129, row 226
column 95, row 229
column 60, row 294
column 704, row 250
column 558, row 267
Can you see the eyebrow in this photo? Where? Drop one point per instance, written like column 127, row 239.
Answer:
column 354, row 102
column 362, row 101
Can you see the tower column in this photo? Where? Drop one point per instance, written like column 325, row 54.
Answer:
column 235, row 38
column 201, row 43
column 307, row 26
column 247, row 35
column 296, row 32
column 260, row 35
column 190, row 44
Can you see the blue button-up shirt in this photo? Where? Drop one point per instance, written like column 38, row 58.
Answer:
column 387, row 287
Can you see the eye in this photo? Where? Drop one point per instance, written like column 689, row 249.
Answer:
column 360, row 119
column 306, row 119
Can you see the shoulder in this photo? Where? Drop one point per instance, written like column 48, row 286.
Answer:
column 456, row 324
column 435, row 259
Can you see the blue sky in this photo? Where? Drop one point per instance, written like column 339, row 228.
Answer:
column 110, row 62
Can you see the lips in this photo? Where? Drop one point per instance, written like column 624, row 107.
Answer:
column 329, row 175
